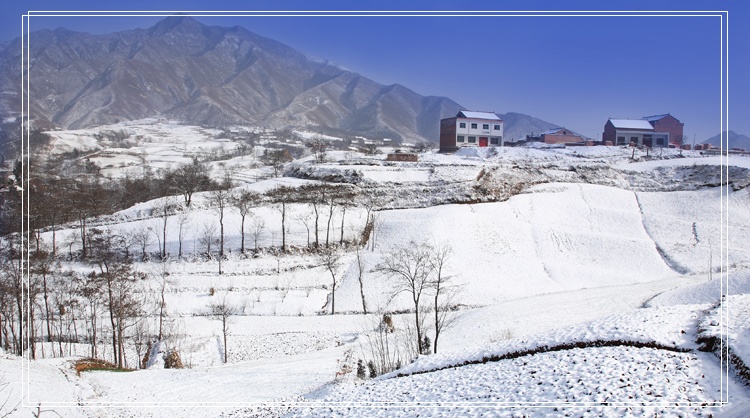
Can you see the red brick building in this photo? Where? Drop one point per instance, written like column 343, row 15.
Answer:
column 471, row 129
column 651, row 131
column 668, row 123
column 560, row 136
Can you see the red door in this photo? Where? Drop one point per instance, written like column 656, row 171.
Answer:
column 482, row 141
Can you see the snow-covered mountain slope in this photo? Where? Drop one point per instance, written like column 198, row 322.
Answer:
column 570, row 258
column 560, row 237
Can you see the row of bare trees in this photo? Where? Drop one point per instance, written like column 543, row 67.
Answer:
column 54, row 308
column 418, row 271
column 54, row 200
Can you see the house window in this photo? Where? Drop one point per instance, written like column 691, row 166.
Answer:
column 633, row 139
column 494, row 141
column 497, row 127
column 486, row 126
column 460, row 138
column 659, row 141
column 620, row 139
column 462, row 125
column 472, row 140
column 473, row 126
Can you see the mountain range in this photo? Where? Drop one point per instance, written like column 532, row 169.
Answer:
column 216, row 76
column 734, row 139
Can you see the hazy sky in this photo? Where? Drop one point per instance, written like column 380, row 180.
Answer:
column 571, row 71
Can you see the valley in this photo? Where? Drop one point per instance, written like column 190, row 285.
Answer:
column 570, row 273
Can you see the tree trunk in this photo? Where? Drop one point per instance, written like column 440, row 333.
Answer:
column 283, row 226
column 224, row 331
column 317, row 241
column 242, row 234
column 46, row 309
column 112, row 318
column 361, row 284
column 164, row 239
column 328, row 227
column 333, row 294
column 82, row 221
column 437, row 322
column 343, row 213
column 221, row 231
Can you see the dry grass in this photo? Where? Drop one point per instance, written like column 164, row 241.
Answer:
column 87, row 364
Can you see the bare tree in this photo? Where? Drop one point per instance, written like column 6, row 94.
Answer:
column 370, row 203
column 183, row 221
column 315, row 195
column 306, row 220
column 382, row 347
column 43, row 268
column 244, row 202
column 281, row 196
column 164, row 282
column 443, row 288
column 189, row 178
column 276, row 159
column 337, row 196
column 360, row 278
column 345, row 199
column 220, row 199
column 120, row 283
column 164, row 209
column 207, row 236
column 319, row 146
column 256, row 229
column 223, row 311
column 411, row 268
column 141, row 341
column 142, row 237
column 89, row 289
column 330, row 259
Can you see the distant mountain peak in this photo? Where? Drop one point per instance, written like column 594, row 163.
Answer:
column 171, row 23
column 734, row 139
column 184, row 70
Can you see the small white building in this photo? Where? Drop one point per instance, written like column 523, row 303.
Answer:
column 471, row 129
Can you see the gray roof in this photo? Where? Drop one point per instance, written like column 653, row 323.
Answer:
column 655, row 117
column 551, row 131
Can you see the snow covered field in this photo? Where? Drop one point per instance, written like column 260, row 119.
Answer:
column 576, row 298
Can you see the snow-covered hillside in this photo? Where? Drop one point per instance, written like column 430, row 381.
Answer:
column 582, row 287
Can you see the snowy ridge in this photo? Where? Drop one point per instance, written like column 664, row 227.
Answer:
column 565, row 299
column 667, row 327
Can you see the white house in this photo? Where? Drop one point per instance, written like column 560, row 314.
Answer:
column 471, row 129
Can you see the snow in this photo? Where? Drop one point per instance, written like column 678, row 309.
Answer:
column 738, row 161
column 557, row 269
column 480, row 115
column 597, row 380
column 313, row 135
column 632, row 124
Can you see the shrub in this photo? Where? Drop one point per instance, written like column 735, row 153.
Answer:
column 425, row 345
column 87, row 364
column 361, row 372
column 144, row 361
column 172, row 360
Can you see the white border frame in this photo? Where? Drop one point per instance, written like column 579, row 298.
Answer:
column 724, row 208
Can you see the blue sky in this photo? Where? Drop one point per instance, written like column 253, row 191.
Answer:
column 571, row 71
